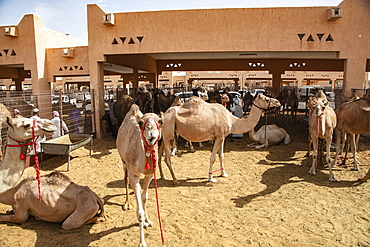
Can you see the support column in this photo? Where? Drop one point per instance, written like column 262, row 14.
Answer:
column 276, row 81
column 97, row 84
column 354, row 75
column 135, row 82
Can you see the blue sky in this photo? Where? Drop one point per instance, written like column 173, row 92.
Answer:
column 69, row 16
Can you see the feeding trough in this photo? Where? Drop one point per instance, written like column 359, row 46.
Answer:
column 63, row 145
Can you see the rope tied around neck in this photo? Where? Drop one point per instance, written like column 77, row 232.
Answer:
column 149, row 149
column 150, row 152
column 318, row 134
column 36, row 159
column 22, row 156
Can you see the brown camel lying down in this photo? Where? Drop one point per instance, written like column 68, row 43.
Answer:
column 62, row 201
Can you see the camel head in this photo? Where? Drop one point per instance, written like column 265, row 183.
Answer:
column 264, row 102
column 21, row 128
column 203, row 96
column 150, row 125
column 317, row 105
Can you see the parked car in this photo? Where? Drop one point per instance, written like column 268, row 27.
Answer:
column 184, row 95
column 330, row 96
column 257, row 91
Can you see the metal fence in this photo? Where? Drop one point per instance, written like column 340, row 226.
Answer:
column 74, row 107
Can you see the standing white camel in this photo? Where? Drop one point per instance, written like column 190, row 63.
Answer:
column 137, row 145
column 322, row 120
column 61, row 199
column 275, row 135
column 198, row 121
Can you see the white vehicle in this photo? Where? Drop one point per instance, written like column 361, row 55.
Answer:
column 309, row 91
column 257, row 91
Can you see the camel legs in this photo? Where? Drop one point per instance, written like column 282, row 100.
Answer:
column 353, row 138
column 218, row 147
column 127, row 205
column 328, row 144
column 20, row 214
column 167, row 159
column 312, row 171
column 141, row 198
column 367, row 176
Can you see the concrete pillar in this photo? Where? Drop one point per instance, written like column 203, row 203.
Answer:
column 97, row 84
column 276, row 81
column 354, row 75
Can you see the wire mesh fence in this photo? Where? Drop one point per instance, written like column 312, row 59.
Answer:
column 74, row 108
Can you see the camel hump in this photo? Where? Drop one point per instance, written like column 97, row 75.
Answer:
column 193, row 102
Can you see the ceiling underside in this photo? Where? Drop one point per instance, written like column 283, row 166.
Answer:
column 225, row 55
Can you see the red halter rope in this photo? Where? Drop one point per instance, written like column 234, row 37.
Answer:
column 36, row 159
column 150, row 151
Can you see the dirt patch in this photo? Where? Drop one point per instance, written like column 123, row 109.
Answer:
column 269, row 199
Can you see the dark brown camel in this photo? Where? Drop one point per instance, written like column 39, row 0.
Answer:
column 292, row 105
column 122, row 106
column 247, row 101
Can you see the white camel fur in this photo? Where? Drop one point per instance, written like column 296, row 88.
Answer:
column 275, row 135
column 61, row 199
column 199, row 121
column 322, row 121
column 137, row 145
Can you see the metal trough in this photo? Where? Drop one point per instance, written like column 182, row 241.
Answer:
column 63, row 145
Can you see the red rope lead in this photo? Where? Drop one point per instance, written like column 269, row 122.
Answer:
column 158, row 209
column 150, row 151
column 36, row 159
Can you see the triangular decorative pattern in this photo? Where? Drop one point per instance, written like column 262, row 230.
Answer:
column 131, row 41
column 123, row 39
column 140, row 38
column 300, row 36
column 320, row 35
column 310, row 38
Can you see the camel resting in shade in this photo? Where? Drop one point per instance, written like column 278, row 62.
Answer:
column 275, row 135
column 60, row 199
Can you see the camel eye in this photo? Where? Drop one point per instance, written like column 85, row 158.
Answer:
column 26, row 126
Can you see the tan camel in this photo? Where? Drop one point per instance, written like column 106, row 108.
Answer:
column 137, row 145
column 322, row 121
column 188, row 144
column 275, row 135
column 198, row 121
column 61, row 199
column 353, row 119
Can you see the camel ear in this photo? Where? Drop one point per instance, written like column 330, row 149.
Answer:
column 140, row 122
column 9, row 121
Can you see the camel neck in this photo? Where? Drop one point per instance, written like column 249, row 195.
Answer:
column 244, row 125
column 12, row 167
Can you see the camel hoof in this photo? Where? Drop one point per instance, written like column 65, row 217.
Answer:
column 147, row 224
column 225, row 175
column 312, row 172
column 355, row 169
column 333, row 180
column 213, row 180
column 175, row 182
column 127, row 206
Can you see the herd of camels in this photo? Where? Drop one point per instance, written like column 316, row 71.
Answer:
column 138, row 145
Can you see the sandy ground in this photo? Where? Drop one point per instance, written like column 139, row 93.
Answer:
column 269, row 199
